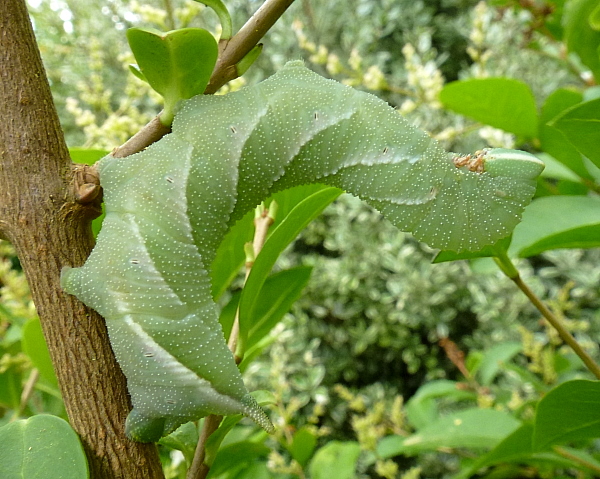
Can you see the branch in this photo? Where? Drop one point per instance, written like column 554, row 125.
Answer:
column 231, row 52
column 508, row 268
column 564, row 334
column 244, row 41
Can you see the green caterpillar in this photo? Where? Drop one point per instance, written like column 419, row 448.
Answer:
column 169, row 207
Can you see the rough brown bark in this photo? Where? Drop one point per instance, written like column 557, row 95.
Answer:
column 39, row 214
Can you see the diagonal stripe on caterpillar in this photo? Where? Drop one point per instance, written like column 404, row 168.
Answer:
column 168, row 208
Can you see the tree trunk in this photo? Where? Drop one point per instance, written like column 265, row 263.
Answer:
column 40, row 215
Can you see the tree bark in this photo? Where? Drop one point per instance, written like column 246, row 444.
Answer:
column 40, row 215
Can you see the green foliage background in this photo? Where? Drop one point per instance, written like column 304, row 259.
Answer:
column 366, row 330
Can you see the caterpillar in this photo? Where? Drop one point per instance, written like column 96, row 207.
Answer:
column 169, row 206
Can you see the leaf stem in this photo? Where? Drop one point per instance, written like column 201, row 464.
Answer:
column 262, row 222
column 579, row 460
column 27, row 391
column 199, row 470
column 509, row 269
column 231, row 52
column 244, row 41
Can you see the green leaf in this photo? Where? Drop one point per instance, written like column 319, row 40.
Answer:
column 10, row 388
column 552, row 140
column 303, row 446
column 581, row 459
column 34, row 345
column 88, row 156
column 216, row 438
column 137, row 72
column 421, row 409
column 238, row 457
column 230, row 254
column 335, row 459
column 41, row 447
column 177, row 64
column 258, row 470
column 213, row 444
column 581, row 126
column 556, row 169
column 557, row 222
column 280, row 238
column 277, row 295
column 595, row 18
column 493, row 360
column 568, row 412
column 580, row 36
column 471, row 428
column 245, row 63
column 224, row 17
column 500, row 102
column 517, row 447
column 183, row 439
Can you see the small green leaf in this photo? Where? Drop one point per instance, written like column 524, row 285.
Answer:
column 224, row 17
column 230, row 254
column 137, row 72
column 517, row 447
column 238, row 456
column 10, row 388
column 246, row 62
column 335, row 459
column 571, row 411
column 500, row 102
column 580, row 36
column 277, row 295
column 34, row 345
column 421, row 409
column 183, row 439
column 177, row 64
column 471, row 428
column 552, row 140
column 280, row 238
column 581, row 126
column 41, row 447
column 580, row 459
column 555, row 222
column 556, row 169
column 89, row 156
column 595, row 18
column 303, row 445
column 493, row 360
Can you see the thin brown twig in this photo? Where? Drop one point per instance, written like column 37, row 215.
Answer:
column 579, row 460
column 200, row 470
column 262, row 223
column 27, row 391
column 244, row 41
column 564, row 334
column 231, row 52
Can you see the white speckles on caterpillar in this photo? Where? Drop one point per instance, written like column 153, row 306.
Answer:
column 149, row 272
